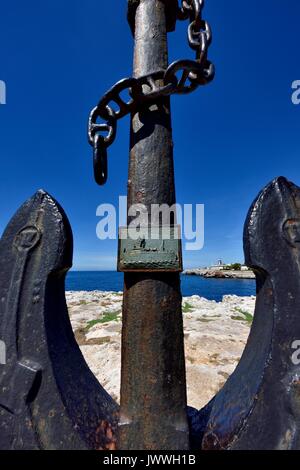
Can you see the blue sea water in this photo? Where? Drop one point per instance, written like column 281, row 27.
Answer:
column 212, row 289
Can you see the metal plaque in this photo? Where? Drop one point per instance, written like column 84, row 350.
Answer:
column 150, row 249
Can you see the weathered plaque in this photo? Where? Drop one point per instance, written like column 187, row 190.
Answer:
column 150, row 249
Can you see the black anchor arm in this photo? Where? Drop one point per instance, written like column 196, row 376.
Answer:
column 49, row 399
column 259, row 405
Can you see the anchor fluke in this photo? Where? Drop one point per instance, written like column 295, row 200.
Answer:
column 49, row 399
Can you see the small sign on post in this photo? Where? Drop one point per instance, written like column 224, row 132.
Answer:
column 150, row 249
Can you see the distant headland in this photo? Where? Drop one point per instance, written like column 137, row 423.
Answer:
column 222, row 271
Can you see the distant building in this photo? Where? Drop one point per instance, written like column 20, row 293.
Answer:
column 244, row 268
column 219, row 266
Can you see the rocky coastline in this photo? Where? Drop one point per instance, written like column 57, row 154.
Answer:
column 219, row 274
column 215, row 335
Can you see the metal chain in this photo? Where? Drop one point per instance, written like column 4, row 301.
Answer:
column 181, row 77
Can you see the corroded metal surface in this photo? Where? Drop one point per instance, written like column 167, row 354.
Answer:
column 49, row 399
column 153, row 388
column 180, row 77
column 171, row 7
column 259, row 406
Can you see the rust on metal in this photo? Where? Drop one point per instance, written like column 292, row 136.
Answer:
column 49, row 399
column 259, row 407
column 153, row 385
column 171, row 8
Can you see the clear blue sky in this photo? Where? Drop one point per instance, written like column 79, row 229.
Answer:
column 231, row 138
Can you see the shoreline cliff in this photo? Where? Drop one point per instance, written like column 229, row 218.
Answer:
column 219, row 274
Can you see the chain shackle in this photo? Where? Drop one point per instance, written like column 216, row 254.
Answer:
column 181, row 77
column 199, row 37
column 95, row 128
column 191, row 9
column 100, row 159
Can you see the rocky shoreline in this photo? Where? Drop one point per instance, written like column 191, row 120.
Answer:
column 215, row 334
column 220, row 274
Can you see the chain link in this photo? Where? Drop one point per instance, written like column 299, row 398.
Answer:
column 181, row 77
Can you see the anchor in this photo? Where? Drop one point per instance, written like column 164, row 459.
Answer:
column 49, row 399
column 259, row 405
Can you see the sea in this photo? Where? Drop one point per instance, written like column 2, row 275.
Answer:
column 211, row 289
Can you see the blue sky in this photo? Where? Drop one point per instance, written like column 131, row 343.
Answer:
column 231, row 138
